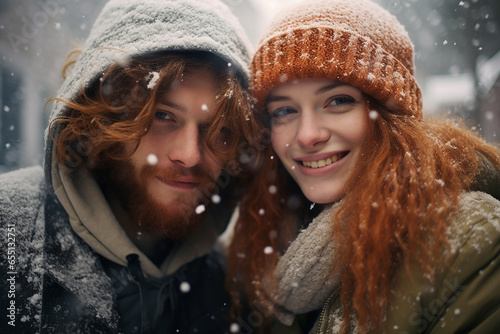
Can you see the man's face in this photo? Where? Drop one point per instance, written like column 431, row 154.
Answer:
column 172, row 171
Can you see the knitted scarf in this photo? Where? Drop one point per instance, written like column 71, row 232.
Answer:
column 302, row 280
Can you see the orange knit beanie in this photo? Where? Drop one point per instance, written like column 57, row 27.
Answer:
column 354, row 41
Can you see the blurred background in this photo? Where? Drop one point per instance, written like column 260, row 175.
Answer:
column 457, row 46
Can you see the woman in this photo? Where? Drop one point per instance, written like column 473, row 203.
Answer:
column 393, row 236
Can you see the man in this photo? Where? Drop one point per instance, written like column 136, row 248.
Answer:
column 143, row 154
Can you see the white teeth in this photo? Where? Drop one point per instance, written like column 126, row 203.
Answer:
column 321, row 163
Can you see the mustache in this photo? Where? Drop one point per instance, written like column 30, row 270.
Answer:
column 171, row 174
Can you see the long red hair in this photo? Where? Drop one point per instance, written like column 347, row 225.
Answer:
column 397, row 206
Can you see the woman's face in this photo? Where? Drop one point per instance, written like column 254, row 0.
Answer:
column 318, row 126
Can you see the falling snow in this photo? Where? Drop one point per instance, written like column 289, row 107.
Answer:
column 216, row 199
column 123, row 59
column 185, row 287
column 373, row 115
column 152, row 159
column 200, row 209
column 234, row 328
column 153, row 78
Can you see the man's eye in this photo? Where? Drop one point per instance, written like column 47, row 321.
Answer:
column 340, row 100
column 163, row 115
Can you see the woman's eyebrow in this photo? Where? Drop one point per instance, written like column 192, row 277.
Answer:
column 274, row 98
column 330, row 87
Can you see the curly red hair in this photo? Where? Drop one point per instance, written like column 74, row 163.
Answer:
column 408, row 168
column 118, row 109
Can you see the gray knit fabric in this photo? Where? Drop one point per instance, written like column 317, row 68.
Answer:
column 302, row 273
column 127, row 28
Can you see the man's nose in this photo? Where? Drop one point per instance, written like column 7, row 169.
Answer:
column 186, row 147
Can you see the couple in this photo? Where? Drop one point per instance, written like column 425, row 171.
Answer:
column 354, row 213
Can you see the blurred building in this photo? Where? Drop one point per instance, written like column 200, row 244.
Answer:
column 490, row 94
column 35, row 37
column 454, row 95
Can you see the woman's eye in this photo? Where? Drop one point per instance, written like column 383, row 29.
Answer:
column 162, row 115
column 340, row 100
column 282, row 112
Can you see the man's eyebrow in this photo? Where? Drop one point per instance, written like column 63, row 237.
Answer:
column 172, row 105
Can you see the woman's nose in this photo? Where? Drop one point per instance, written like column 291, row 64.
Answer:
column 311, row 131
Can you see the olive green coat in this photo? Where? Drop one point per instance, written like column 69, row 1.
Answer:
column 464, row 297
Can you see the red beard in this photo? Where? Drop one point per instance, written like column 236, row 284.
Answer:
column 175, row 220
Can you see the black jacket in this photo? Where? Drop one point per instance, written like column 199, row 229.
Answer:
column 58, row 284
